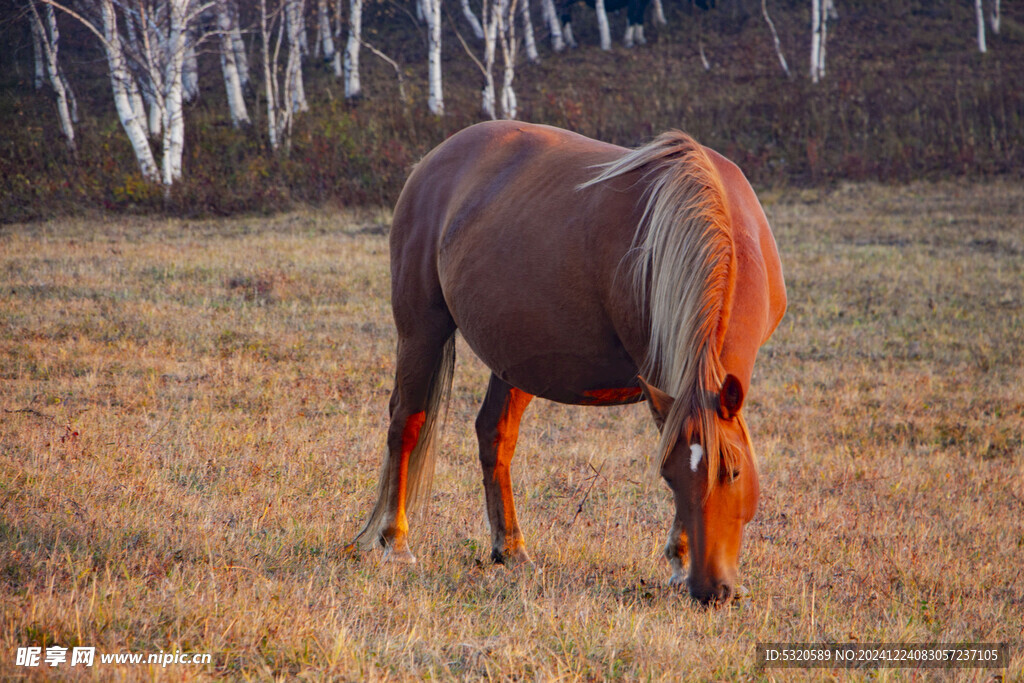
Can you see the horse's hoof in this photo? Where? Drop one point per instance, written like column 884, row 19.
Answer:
column 513, row 560
column 399, row 556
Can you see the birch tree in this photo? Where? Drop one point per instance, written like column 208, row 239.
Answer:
column 127, row 110
column 353, row 89
column 602, row 25
column 474, row 22
column 529, row 42
column 38, row 62
column 279, row 80
column 229, row 66
column 979, row 12
column 819, row 35
column 550, row 15
column 499, row 32
column 994, row 18
column 241, row 56
column 435, row 94
column 775, row 38
column 326, row 37
column 659, row 13
column 45, row 25
column 295, row 14
column 153, row 49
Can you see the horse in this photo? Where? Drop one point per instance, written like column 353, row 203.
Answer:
column 635, row 10
column 588, row 274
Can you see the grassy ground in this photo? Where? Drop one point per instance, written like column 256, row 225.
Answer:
column 193, row 416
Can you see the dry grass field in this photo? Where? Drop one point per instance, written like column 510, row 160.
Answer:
column 192, row 416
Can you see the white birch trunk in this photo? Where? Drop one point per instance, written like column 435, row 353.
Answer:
column 149, row 53
column 602, row 25
column 295, row 11
column 353, row 89
column 550, row 15
column 174, row 121
column 241, row 57
column 529, row 42
column 153, row 105
column 72, row 100
column 296, row 40
column 229, row 66
column 323, row 21
column 979, row 12
column 489, row 103
column 435, row 94
column 775, row 38
column 39, row 73
column 50, row 44
column 817, row 40
column 269, row 79
column 336, row 62
column 994, row 18
column 467, row 11
column 126, row 112
column 190, row 70
column 507, row 32
column 659, row 13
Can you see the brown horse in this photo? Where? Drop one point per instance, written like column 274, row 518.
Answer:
column 576, row 269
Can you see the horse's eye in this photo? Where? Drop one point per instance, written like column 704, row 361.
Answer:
column 731, row 475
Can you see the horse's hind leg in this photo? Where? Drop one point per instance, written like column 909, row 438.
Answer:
column 422, row 379
column 497, row 428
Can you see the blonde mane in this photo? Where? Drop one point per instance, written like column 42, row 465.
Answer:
column 683, row 268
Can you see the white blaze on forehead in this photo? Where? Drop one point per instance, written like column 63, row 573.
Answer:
column 696, row 453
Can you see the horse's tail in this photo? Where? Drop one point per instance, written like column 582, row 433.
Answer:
column 423, row 456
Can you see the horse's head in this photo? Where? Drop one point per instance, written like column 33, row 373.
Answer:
column 716, row 490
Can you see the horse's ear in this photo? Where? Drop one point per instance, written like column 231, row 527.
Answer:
column 658, row 401
column 730, row 397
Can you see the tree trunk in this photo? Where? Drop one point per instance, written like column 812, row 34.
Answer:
column 529, row 42
column 190, row 70
column 467, row 11
column 775, row 38
column 550, row 15
column 489, row 103
column 296, row 41
column 435, row 95
column 323, row 22
column 507, row 31
column 174, row 117
column 353, row 88
column 269, row 79
column 241, row 57
column 119, row 78
column 602, row 25
column 659, row 13
column 229, row 66
column 817, row 41
column 49, row 39
column 979, row 12
column 39, row 73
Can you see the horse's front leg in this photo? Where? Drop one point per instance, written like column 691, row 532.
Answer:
column 497, row 428
column 677, row 553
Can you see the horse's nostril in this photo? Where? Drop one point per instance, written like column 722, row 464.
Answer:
column 724, row 592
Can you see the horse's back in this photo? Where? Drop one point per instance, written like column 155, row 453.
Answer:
column 526, row 261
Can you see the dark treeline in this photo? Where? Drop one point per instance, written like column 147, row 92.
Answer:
column 906, row 94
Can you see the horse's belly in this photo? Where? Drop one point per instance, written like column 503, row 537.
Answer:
column 556, row 350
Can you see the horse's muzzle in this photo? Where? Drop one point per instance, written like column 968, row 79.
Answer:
column 716, row 594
